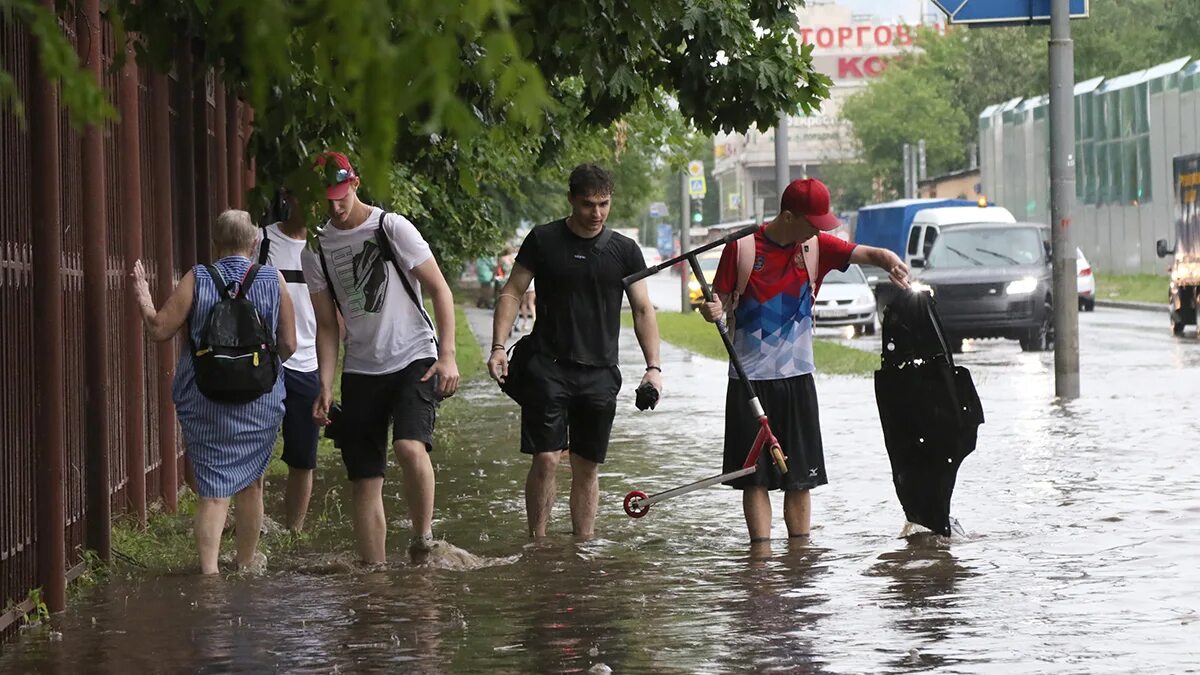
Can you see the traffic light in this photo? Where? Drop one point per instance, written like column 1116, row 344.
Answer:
column 697, row 211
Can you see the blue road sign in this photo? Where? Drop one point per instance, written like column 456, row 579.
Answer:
column 666, row 240
column 991, row 12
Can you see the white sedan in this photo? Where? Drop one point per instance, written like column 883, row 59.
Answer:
column 1085, row 282
column 846, row 300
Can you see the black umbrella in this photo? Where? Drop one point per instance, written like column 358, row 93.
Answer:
column 928, row 407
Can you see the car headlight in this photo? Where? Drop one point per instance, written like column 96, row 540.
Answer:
column 865, row 300
column 921, row 287
column 1021, row 286
column 693, row 285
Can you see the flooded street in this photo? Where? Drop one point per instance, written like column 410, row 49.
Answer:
column 1082, row 521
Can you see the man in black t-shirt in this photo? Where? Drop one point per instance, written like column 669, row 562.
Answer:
column 573, row 372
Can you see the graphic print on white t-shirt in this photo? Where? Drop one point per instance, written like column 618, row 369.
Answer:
column 363, row 276
column 385, row 330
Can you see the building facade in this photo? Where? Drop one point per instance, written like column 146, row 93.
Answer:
column 1128, row 130
column 849, row 48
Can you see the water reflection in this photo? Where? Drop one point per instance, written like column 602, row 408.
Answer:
column 773, row 607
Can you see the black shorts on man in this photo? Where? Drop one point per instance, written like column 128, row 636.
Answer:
column 373, row 403
column 300, row 433
column 573, row 380
column 570, row 406
column 791, row 407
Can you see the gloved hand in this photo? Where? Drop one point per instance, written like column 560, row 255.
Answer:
column 647, row 396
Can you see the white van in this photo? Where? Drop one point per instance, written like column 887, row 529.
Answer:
column 928, row 223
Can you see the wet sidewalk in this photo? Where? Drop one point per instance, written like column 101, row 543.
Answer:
column 1083, row 526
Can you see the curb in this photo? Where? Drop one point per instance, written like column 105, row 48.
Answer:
column 1129, row 304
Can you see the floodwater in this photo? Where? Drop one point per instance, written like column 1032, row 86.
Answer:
column 1082, row 522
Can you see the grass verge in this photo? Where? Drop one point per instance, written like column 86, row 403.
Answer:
column 1134, row 287
column 693, row 333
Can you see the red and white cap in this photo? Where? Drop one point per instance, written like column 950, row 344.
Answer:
column 338, row 173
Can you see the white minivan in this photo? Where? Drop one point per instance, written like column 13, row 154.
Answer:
column 928, row 223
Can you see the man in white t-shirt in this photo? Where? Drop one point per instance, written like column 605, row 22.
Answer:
column 394, row 370
column 281, row 246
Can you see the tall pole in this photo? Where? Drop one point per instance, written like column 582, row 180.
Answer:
column 47, row 255
column 1062, row 194
column 921, row 175
column 95, row 291
column 783, row 164
column 164, row 253
column 685, row 243
column 133, row 342
column 908, row 178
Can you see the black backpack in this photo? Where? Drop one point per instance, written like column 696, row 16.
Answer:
column 235, row 360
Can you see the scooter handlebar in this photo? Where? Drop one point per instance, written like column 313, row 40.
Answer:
column 638, row 276
column 650, row 271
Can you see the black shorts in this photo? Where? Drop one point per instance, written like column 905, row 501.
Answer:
column 571, row 406
column 371, row 402
column 300, row 432
column 791, row 407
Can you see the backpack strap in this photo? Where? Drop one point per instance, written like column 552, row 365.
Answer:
column 247, row 280
column 264, row 248
column 385, row 249
column 218, row 280
column 328, row 279
column 602, row 240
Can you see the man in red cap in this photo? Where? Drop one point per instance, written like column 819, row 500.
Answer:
column 372, row 267
column 768, row 284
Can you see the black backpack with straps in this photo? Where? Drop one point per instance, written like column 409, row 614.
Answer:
column 235, row 360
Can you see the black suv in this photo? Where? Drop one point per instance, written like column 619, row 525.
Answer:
column 992, row 280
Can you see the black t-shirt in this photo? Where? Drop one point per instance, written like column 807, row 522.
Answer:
column 578, row 291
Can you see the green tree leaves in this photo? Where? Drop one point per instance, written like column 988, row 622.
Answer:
column 467, row 114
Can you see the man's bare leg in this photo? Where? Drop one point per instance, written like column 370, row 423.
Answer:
column 797, row 512
column 757, row 505
column 418, row 484
column 585, row 496
column 370, row 526
column 295, row 499
column 540, row 485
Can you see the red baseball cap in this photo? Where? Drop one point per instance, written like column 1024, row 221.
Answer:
column 809, row 198
column 338, row 173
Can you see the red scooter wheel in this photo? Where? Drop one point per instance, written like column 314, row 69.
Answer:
column 633, row 504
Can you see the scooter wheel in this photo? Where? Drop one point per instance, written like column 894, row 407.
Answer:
column 633, row 504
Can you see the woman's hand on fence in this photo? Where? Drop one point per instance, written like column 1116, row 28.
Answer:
column 141, row 287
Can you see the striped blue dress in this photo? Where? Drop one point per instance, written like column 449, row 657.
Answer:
column 229, row 444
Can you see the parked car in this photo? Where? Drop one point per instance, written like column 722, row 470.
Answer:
column 1085, row 282
column 846, row 300
column 652, row 256
column 708, row 264
column 991, row 281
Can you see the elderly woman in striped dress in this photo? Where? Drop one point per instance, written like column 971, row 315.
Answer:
column 228, row 444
